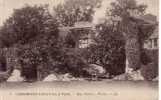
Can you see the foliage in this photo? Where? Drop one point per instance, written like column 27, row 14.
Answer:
column 127, row 8
column 67, row 14
column 134, row 30
column 41, row 53
column 150, row 70
column 108, row 50
column 76, row 10
column 25, row 24
column 71, row 61
column 130, row 10
column 34, row 32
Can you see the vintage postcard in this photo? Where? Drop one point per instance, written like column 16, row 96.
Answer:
column 79, row 49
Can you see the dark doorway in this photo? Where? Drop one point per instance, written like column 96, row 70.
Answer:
column 3, row 65
column 29, row 72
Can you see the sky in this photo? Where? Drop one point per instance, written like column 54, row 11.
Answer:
column 7, row 6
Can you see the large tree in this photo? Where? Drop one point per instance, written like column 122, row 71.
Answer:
column 76, row 10
column 108, row 49
column 34, row 32
column 25, row 24
column 127, row 12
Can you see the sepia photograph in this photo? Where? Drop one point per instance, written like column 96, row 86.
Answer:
column 79, row 49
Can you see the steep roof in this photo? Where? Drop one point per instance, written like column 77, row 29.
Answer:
column 155, row 33
column 84, row 24
column 63, row 31
column 147, row 19
column 150, row 18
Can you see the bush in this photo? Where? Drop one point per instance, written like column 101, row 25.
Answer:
column 71, row 61
column 39, row 57
column 112, row 59
column 34, row 32
column 150, row 70
column 108, row 50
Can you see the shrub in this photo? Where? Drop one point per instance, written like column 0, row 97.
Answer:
column 150, row 70
column 71, row 61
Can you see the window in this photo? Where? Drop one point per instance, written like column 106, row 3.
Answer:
column 155, row 42
column 83, row 43
column 3, row 66
column 151, row 43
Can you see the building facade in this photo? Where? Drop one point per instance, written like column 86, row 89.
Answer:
column 153, row 41
column 83, row 34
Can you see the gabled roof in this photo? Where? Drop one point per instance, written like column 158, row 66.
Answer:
column 151, row 19
column 84, row 24
column 147, row 19
column 155, row 33
column 63, row 31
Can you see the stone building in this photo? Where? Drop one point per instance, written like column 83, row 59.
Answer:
column 153, row 41
column 83, row 33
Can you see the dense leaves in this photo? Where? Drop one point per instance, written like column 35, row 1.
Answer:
column 128, row 11
column 25, row 24
column 76, row 10
column 33, row 31
column 108, row 50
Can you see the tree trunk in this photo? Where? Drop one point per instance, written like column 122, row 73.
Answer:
column 132, row 46
column 133, row 53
